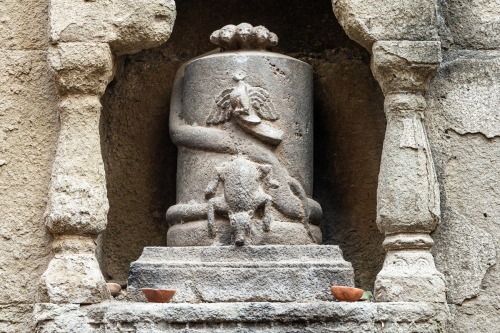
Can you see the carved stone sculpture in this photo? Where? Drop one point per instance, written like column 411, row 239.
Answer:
column 242, row 120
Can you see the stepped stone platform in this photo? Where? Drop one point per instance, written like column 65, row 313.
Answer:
column 253, row 317
column 267, row 273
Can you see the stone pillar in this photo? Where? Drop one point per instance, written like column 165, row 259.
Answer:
column 82, row 59
column 408, row 194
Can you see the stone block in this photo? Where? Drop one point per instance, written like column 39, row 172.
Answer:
column 129, row 26
column 242, row 274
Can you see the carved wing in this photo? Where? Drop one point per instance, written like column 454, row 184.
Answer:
column 259, row 98
column 222, row 110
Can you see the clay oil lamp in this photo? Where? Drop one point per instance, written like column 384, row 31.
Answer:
column 158, row 295
column 347, row 294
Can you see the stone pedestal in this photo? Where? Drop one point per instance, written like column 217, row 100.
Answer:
column 293, row 273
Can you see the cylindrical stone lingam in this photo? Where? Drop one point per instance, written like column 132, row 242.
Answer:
column 242, row 119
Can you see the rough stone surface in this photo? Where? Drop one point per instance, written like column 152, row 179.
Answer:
column 479, row 315
column 369, row 21
column 473, row 24
column 461, row 117
column 128, row 26
column 23, row 25
column 16, row 318
column 242, row 317
column 349, row 128
column 28, row 134
column 240, row 274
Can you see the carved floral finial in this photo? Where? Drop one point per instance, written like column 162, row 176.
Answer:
column 244, row 36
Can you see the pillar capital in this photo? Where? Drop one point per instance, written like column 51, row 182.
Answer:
column 128, row 26
column 405, row 66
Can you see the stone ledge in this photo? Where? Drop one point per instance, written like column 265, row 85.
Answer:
column 114, row 317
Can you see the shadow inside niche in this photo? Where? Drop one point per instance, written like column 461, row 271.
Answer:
column 140, row 159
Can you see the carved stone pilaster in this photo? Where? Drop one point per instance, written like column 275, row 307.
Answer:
column 82, row 59
column 78, row 204
column 408, row 194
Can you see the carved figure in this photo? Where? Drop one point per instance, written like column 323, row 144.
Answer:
column 244, row 36
column 242, row 196
column 244, row 101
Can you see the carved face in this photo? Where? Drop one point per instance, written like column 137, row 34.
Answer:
column 244, row 30
column 260, row 33
column 227, row 32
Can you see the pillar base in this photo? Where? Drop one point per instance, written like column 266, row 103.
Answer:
column 410, row 276
column 73, row 275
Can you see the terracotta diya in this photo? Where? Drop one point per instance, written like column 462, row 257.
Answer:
column 158, row 295
column 347, row 294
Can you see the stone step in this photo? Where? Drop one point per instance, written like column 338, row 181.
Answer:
column 315, row 317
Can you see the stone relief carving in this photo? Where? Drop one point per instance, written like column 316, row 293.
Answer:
column 247, row 134
column 242, row 195
column 244, row 177
column 244, row 36
column 249, row 105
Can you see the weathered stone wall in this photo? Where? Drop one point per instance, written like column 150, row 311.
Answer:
column 464, row 130
column 28, row 135
column 349, row 127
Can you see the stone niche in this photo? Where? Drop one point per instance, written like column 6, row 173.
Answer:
column 141, row 166
column 349, row 125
